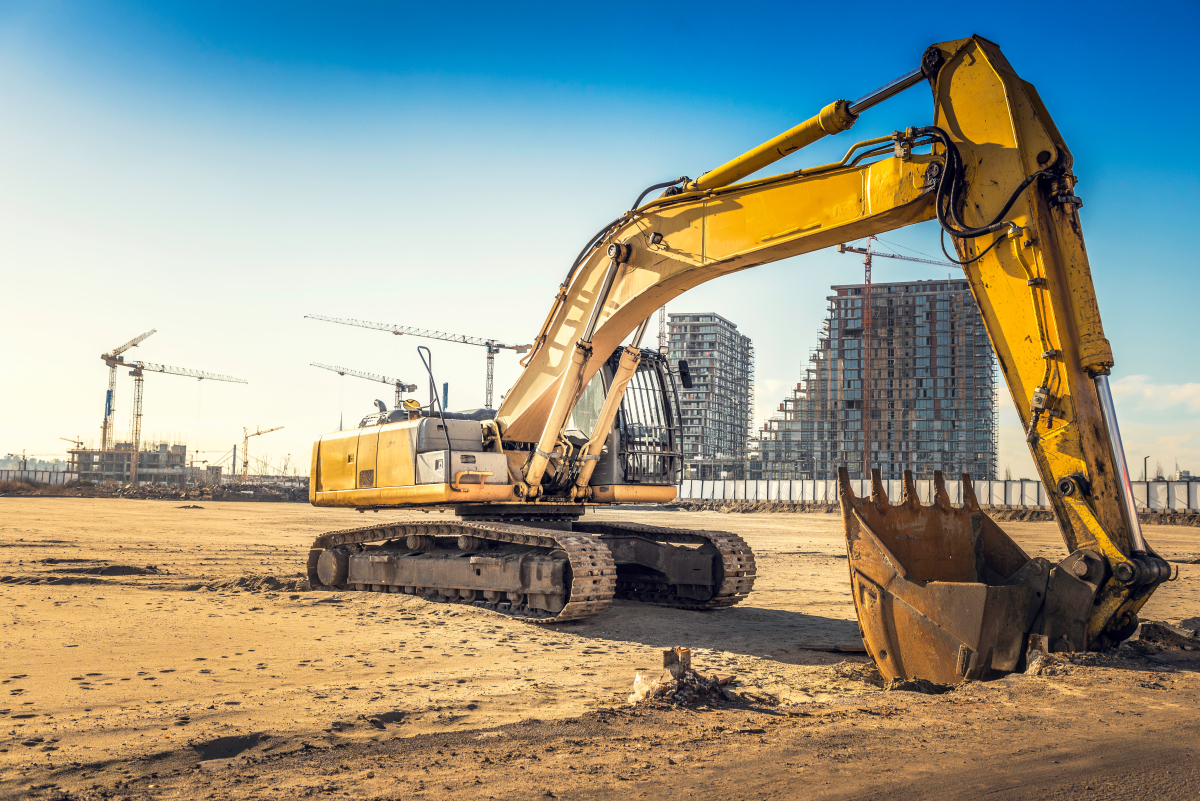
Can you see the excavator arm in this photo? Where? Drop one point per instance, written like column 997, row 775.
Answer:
column 997, row 175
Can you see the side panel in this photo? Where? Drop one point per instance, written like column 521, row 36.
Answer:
column 394, row 463
column 368, row 445
column 314, row 473
column 431, row 467
column 337, row 454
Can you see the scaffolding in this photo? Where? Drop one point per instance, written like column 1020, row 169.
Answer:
column 928, row 395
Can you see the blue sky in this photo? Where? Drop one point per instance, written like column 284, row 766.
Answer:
column 218, row 171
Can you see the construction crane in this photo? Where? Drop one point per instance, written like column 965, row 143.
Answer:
column 868, row 324
column 246, row 435
column 868, row 252
column 73, row 460
column 138, row 371
column 400, row 386
column 113, row 360
column 493, row 347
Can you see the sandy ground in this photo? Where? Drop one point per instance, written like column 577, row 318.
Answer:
column 179, row 679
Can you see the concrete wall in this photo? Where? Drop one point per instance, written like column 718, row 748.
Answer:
column 1176, row 496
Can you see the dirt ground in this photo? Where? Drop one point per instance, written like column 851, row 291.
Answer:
column 152, row 660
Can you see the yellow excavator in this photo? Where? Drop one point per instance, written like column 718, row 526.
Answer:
column 941, row 593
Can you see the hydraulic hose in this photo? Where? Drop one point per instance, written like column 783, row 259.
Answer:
column 950, row 187
column 637, row 203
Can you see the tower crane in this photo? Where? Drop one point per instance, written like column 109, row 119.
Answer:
column 868, row 324
column 868, row 252
column 73, row 453
column 113, row 360
column 493, row 347
column 138, row 372
column 246, row 435
column 400, row 386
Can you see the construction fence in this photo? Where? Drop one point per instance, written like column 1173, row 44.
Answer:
column 39, row 476
column 1161, row 496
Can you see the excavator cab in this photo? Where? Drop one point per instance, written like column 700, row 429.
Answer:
column 644, row 442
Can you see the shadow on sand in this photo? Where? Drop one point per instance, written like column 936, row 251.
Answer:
column 791, row 637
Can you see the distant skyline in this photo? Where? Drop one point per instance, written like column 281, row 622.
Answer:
column 218, row 171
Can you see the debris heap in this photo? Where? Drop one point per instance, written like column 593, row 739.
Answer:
column 679, row 684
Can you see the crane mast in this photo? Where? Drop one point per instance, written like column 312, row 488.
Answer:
column 112, row 360
column 246, row 435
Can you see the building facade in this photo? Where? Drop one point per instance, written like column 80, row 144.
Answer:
column 922, row 398
column 158, row 463
column 717, row 411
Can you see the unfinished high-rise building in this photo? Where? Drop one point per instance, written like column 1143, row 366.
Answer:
column 921, row 397
column 717, row 411
column 157, row 463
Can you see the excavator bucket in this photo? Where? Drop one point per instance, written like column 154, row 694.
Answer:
column 942, row 593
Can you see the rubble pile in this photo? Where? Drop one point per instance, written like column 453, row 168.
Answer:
column 1161, row 646
column 258, row 583
column 160, row 492
column 1154, row 636
column 222, row 492
column 752, row 507
column 679, row 684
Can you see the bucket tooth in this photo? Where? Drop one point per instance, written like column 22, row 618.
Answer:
column 969, row 499
column 941, row 498
column 877, row 493
column 910, row 497
column 939, row 590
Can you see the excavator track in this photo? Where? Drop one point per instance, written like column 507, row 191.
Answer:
column 734, row 579
column 593, row 573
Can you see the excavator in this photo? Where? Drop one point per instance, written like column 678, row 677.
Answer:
column 941, row 593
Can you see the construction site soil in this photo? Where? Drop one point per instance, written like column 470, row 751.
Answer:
column 157, row 649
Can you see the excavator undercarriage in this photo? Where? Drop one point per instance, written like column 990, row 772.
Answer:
column 567, row 571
